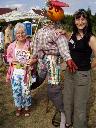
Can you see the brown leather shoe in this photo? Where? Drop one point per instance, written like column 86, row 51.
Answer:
column 68, row 126
column 18, row 112
column 27, row 113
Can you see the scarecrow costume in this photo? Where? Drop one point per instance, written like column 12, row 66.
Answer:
column 50, row 44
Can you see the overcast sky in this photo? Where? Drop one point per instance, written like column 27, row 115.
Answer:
column 28, row 4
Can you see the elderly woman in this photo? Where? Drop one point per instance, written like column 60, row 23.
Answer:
column 18, row 56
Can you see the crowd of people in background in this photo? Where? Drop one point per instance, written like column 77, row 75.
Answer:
column 6, row 37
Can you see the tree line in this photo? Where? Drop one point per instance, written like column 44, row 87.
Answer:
column 66, row 22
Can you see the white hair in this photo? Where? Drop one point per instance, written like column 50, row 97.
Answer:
column 19, row 25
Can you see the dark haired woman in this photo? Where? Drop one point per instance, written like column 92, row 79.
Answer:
column 77, row 85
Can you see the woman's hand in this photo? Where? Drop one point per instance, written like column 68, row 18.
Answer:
column 93, row 63
column 14, row 62
column 31, row 61
column 7, row 83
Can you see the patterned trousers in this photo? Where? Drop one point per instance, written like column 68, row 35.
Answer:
column 21, row 92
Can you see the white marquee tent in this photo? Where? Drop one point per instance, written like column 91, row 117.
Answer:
column 16, row 15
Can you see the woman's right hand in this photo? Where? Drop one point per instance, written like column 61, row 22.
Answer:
column 14, row 62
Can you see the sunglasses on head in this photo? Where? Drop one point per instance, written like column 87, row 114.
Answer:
column 79, row 13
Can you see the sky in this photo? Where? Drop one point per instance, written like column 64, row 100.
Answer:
column 28, row 4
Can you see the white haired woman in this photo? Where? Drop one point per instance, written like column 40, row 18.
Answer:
column 18, row 56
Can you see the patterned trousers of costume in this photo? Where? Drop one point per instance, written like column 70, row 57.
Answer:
column 52, row 63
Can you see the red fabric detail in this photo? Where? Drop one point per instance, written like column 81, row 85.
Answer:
column 59, row 4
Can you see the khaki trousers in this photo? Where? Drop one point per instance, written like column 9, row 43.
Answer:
column 75, row 96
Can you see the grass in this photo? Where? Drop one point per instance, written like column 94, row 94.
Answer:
column 38, row 118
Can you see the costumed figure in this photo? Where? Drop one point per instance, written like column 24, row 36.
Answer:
column 50, row 44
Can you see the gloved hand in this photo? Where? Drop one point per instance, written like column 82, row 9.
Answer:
column 71, row 65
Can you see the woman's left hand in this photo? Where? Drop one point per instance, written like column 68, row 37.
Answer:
column 93, row 63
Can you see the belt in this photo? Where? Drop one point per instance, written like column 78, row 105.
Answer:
column 18, row 66
column 53, row 85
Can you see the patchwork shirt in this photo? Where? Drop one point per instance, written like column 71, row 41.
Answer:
column 48, row 40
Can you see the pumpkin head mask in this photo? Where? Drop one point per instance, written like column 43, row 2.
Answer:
column 55, row 12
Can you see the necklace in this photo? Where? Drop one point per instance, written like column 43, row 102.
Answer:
column 80, row 36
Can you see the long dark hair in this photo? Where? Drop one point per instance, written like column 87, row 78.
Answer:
column 78, row 14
